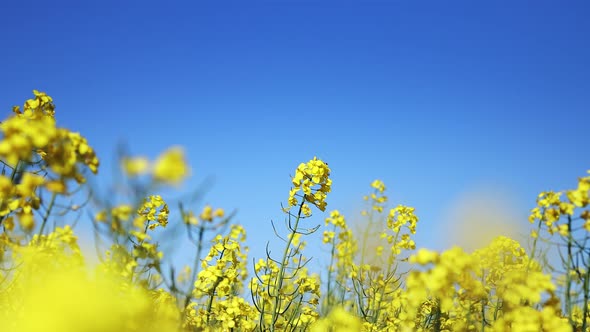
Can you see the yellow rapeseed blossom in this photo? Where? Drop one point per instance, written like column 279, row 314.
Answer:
column 66, row 151
column 339, row 320
column 56, row 186
column 135, row 166
column 208, row 214
column 29, row 184
column 424, row 256
column 154, row 211
column 580, row 196
column 22, row 136
column 171, row 167
column 122, row 212
column 26, row 220
column 41, row 106
column 67, row 299
column 312, row 179
column 563, row 229
column 379, row 185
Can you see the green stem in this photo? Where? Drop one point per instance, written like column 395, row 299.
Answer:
column 212, row 296
column 568, row 278
column 437, row 316
column 366, row 236
column 329, row 291
column 534, row 249
column 48, row 212
column 281, row 276
column 483, row 305
column 15, row 170
column 195, row 266
column 586, row 299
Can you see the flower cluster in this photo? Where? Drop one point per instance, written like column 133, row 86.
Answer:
column 169, row 168
column 153, row 212
column 313, row 179
column 39, row 155
column 220, row 280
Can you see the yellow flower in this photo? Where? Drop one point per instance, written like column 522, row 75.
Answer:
column 219, row 213
column 190, row 219
column 566, row 208
column 66, row 151
column 563, row 229
column 424, row 256
column 101, row 216
column 29, row 183
column 56, row 186
column 313, row 179
column 135, row 166
column 9, row 223
column 171, row 166
column 154, row 208
column 122, row 212
column 306, row 210
column 328, row 236
column 22, row 135
column 379, row 185
column 207, row 214
column 26, row 220
column 338, row 320
column 6, row 187
column 579, row 197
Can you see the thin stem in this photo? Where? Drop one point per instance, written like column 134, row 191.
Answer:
column 586, row 297
column 48, row 212
column 196, row 264
column 15, row 170
column 437, row 316
column 329, row 291
column 534, row 249
column 281, row 276
column 568, row 278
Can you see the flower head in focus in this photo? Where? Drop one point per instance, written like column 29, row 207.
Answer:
column 313, row 180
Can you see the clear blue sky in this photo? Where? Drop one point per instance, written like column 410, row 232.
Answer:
column 438, row 99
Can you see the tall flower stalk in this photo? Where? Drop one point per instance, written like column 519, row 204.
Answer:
column 273, row 299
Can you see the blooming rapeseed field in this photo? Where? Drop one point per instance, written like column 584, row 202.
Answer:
column 376, row 280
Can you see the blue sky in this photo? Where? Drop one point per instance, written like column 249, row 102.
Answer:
column 442, row 100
